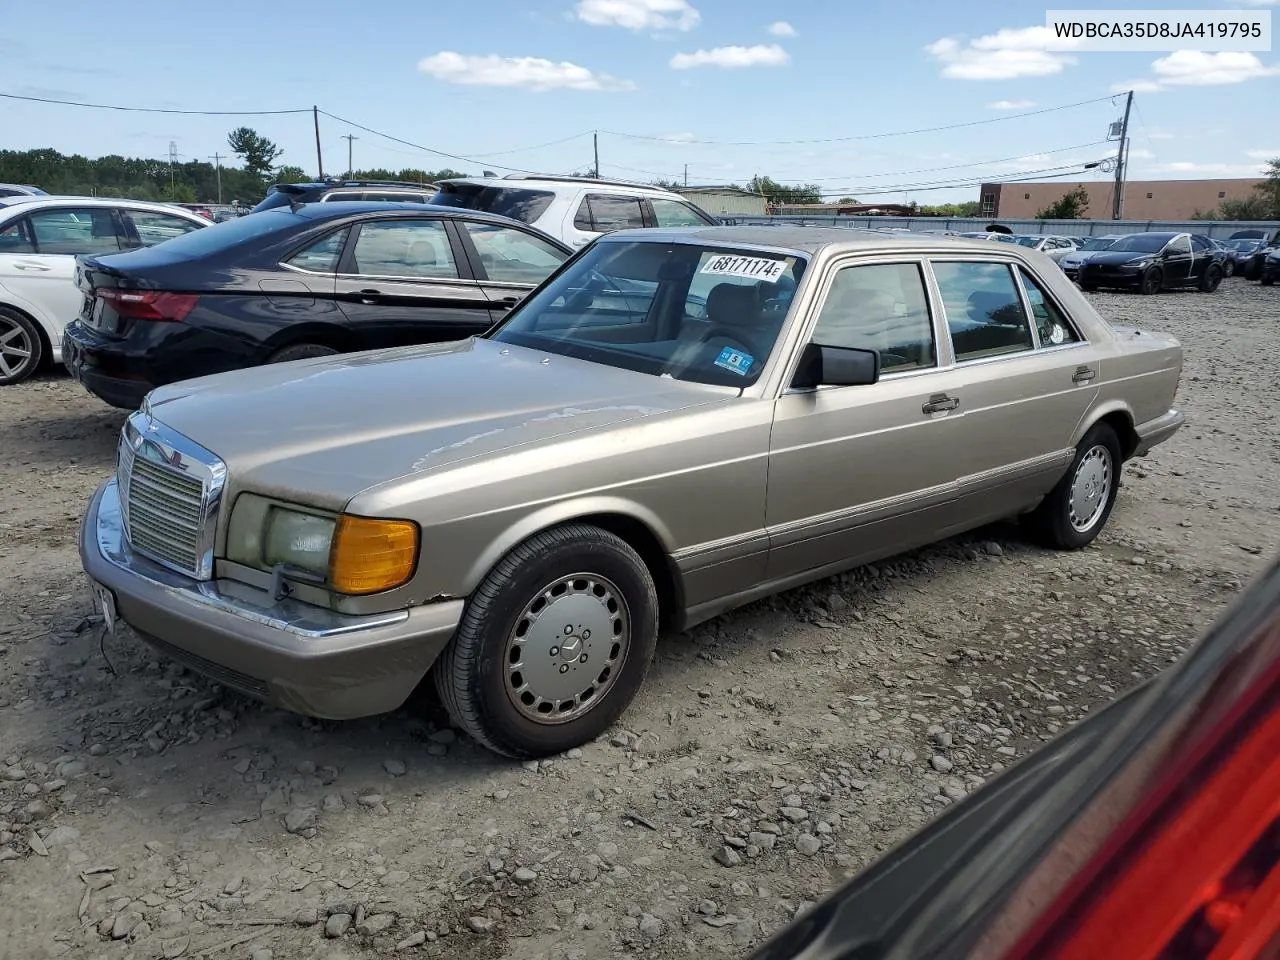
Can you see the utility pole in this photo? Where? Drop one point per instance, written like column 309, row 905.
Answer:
column 315, row 115
column 173, row 159
column 217, row 164
column 349, row 138
column 1122, row 161
column 686, row 175
column 595, row 146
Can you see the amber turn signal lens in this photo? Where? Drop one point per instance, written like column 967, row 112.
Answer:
column 371, row 555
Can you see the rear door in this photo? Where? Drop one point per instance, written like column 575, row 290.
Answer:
column 39, row 265
column 404, row 281
column 507, row 261
column 599, row 213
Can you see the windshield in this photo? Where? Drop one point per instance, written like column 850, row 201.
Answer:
column 1142, row 243
column 514, row 202
column 1026, row 241
column 1245, row 246
column 1096, row 243
column 694, row 312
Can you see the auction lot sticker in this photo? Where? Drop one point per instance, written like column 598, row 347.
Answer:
column 752, row 268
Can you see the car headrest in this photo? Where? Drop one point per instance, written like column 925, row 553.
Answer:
column 733, row 304
column 422, row 252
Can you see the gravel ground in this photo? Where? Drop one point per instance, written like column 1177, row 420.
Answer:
column 145, row 812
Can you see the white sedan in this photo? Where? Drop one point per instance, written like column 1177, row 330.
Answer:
column 40, row 237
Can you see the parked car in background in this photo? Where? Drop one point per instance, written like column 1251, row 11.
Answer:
column 1269, row 273
column 1055, row 248
column 1251, row 267
column 342, row 191
column 574, row 209
column 1270, row 236
column 1085, row 247
column 20, row 190
column 284, row 284
column 1228, row 253
column 520, row 513
column 1154, row 261
column 40, row 237
column 1145, row 830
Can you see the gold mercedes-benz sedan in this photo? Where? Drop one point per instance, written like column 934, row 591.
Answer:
column 675, row 423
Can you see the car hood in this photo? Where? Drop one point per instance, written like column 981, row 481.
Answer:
column 1118, row 258
column 328, row 428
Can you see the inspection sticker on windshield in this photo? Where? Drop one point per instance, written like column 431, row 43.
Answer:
column 753, row 268
column 735, row 360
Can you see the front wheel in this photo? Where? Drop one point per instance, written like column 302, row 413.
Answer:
column 1211, row 279
column 1076, row 510
column 554, row 644
column 1229, row 268
column 1152, row 281
column 301, row 351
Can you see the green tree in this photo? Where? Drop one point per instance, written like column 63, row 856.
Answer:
column 776, row 192
column 1269, row 189
column 847, row 200
column 1072, row 205
column 256, row 151
column 291, row 174
column 1258, row 207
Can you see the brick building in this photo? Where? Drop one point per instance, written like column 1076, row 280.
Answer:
column 1143, row 199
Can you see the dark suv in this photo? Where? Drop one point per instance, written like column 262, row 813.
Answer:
column 395, row 191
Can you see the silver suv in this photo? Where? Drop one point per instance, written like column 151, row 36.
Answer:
column 573, row 209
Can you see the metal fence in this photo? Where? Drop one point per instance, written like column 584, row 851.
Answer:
column 1218, row 229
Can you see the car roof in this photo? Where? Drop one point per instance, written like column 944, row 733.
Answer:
column 800, row 239
column 535, row 181
column 335, row 209
column 29, row 202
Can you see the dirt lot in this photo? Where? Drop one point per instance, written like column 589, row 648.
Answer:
column 144, row 812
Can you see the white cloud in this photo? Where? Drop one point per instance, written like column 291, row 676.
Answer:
column 1009, row 52
column 1264, row 154
column 1140, row 153
column 682, row 137
column 1011, row 105
column 531, row 73
column 760, row 55
column 1199, row 69
column 1137, row 86
column 638, row 14
column 1191, row 168
column 780, row 28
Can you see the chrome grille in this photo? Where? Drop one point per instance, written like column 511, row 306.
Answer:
column 168, row 500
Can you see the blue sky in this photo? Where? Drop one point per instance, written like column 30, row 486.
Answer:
column 489, row 79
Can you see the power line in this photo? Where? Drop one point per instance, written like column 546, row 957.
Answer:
column 1030, row 175
column 537, row 146
column 112, row 106
column 418, row 146
column 865, row 136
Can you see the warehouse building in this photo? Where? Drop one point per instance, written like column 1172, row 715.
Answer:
column 1143, row 199
column 726, row 201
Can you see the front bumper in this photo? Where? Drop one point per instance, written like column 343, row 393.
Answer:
column 1109, row 276
column 1157, row 431
column 293, row 655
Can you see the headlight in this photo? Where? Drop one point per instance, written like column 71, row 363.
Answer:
column 350, row 555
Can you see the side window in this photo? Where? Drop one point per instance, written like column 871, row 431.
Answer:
column 513, row 256
column 614, row 213
column 416, row 249
column 984, row 313
column 582, row 219
column 156, row 227
column 1179, row 245
column 395, row 197
column 72, row 231
column 1201, row 244
column 1054, row 328
column 342, row 195
column 880, row 307
column 15, row 237
column 322, row 256
column 672, row 213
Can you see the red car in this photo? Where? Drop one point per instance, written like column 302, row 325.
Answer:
column 1150, row 831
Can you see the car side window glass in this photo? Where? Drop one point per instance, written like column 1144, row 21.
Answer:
column 321, row 256
column 582, row 219
column 984, row 312
column 1179, row 245
column 1200, row 243
column 343, row 196
column 1053, row 327
column 68, row 230
column 881, row 307
column 15, row 237
column 615, row 213
column 672, row 213
column 513, row 256
column 415, row 249
column 156, row 227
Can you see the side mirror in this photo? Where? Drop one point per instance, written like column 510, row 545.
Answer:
column 824, row 366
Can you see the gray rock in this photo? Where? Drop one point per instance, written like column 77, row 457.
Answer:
column 263, row 953
column 233, row 886
column 375, row 924
column 708, row 908
column 437, row 749
column 941, row 764
column 8, row 853
column 481, row 924
column 70, row 769
column 124, row 924
column 564, row 908
column 726, row 856
column 412, row 940
column 395, row 878
column 524, row 876
column 650, row 926
column 306, row 916
column 607, row 851
column 13, row 774
column 396, row 768
column 765, row 841
column 993, row 549
column 794, row 814
column 334, row 803
column 62, row 835
column 300, row 819
column 807, row 845
column 38, row 809
column 443, row 736
column 337, row 925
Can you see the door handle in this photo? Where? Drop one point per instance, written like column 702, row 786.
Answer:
column 1084, row 374
column 369, row 295
column 40, row 267
column 506, row 303
column 940, row 403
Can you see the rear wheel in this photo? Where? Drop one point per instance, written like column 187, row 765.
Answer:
column 554, row 644
column 1211, row 279
column 301, row 351
column 1152, row 281
column 1267, row 281
column 21, row 348
column 1089, row 287
column 1229, row 268
column 1076, row 510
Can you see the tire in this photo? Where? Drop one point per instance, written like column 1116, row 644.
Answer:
column 1229, row 268
column 21, row 347
column 1151, row 281
column 1267, row 281
column 300, row 351
column 1053, row 523
column 490, row 677
column 1089, row 287
column 1212, row 278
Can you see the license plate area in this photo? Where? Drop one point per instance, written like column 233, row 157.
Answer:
column 104, row 602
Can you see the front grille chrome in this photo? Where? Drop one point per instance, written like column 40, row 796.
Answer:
column 170, row 490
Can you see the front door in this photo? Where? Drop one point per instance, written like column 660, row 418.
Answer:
column 399, row 283
column 1177, row 261
column 856, row 473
